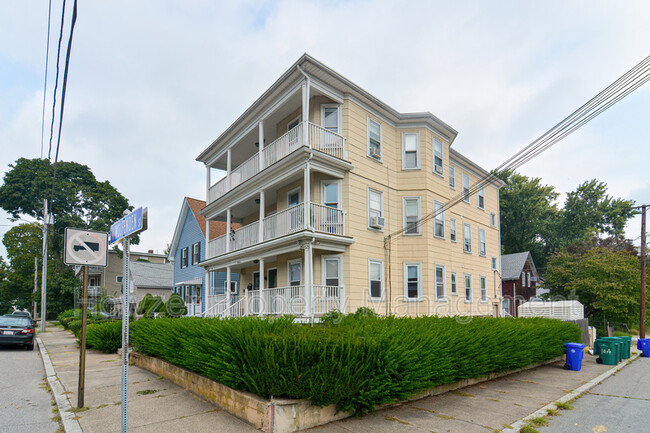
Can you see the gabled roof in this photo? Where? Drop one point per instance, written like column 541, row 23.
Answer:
column 512, row 265
column 318, row 70
column 152, row 275
column 193, row 205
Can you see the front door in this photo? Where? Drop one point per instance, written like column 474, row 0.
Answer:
column 332, row 200
column 331, row 275
column 272, row 278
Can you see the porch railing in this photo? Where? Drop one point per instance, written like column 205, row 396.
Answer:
column 318, row 138
column 217, row 305
column 328, row 298
column 323, row 219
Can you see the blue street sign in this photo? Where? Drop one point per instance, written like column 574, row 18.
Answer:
column 133, row 223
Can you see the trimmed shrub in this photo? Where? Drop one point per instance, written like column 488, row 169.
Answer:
column 357, row 363
column 175, row 306
column 69, row 316
column 104, row 336
column 150, row 305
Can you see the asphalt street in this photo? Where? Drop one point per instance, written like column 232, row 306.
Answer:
column 620, row 404
column 25, row 403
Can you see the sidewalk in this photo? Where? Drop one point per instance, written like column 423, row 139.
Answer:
column 157, row 405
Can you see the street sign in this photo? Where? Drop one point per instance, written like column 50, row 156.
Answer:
column 133, row 223
column 85, row 247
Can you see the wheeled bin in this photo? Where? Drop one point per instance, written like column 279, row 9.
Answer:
column 574, row 354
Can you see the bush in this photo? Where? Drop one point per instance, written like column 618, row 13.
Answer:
column 175, row 306
column 68, row 316
column 357, row 364
column 104, row 336
column 150, row 305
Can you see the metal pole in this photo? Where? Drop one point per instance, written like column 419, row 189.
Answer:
column 44, row 277
column 82, row 341
column 35, row 287
column 643, row 274
column 125, row 336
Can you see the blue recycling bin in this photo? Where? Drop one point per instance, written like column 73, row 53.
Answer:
column 574, row 354
column 643, row 344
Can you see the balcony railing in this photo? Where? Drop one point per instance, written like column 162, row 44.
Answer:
column 323, row 219
column 318, row 138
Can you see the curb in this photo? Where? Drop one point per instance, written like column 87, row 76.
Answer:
column 70, row 425
column 516, row 426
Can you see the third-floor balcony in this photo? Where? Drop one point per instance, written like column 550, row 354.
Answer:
column 305, row 134
column 320, row 218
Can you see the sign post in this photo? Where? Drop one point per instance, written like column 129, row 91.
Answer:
column 85, row 248
column 131, row 224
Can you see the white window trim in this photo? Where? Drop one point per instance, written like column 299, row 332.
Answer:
column 293, row 191
column 480, row 193
column 481, row 279
column 404, row 225
column 339, row 116
column 236, row 283
column 493, row 219
column 453, row 274
column 381, row 194
column 419, row 153
column 454, row 225
column 253, row 280
column 495, row 263
column 470, row 238
column 466, row 199
column 339, row 190
column 193, row 253
column 444, row 282
column 291, row 262
column 381, row 145
column 452, row 177
column 382, row 291
column 471, row 288
column 440, row 173
column 267, row 276
column 298, row 118
column 323, row 270
column 444, row 228
column 484, row 243
column 419, row 297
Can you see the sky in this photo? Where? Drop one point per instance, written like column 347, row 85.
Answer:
column 153, row 83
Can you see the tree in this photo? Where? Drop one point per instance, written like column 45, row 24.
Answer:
column 606, row 282
column 527, row 211
column 5, row 300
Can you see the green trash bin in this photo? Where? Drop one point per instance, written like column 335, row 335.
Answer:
column 618, row 347
column 626, row 349
column 608, row 350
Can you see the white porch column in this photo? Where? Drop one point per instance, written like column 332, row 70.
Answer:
column 228, row 168
column 260, row 236
column 307, row 195
column 207, row 289
column 207, row 183
column 261, row 146
column 309, row 299
column 263, row 306
column 228, row 223
column 228, row 294
column 305, row 113
column 311, row 278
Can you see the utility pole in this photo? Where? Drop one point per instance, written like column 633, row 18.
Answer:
column 35, row 288
column 44, row 278
column 643, row 272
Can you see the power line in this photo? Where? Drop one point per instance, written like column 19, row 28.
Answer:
column 56, row 80
column 47, row 56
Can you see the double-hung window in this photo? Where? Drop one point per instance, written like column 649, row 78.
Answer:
column 481, row 197
column 439, row 219
column 196, row 253
column 295, row 273
column 410, row 150
column 440, row 283
column 494, row 263
column 484, row 295
column 330, row 117
column 375, row 207
column 376, row 280
column 481, row 242
column 412, row 215
column 468, row 288
column 437, row 156
column 452, row 177
column 466, row 187
column 454, row 283
column 452, row 229
column 467, row 238
column 412, row 281
column 184, row 257
column 374, row 139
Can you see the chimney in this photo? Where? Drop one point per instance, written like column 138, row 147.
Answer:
column 150, row 251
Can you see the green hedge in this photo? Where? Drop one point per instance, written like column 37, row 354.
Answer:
column 358, row 362
column 105, row 336
column 67, row 317
column 150, row 305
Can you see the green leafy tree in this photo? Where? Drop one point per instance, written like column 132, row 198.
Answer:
column 5, row 300
column 606, row 282
column 23, row 243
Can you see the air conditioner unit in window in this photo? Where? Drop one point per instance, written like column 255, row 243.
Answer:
column 438, row 169
column 377, row 222
column 375, row 153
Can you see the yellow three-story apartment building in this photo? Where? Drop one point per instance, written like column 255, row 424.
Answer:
column 342, row 202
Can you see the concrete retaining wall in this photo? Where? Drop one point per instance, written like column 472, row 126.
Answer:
column 277, row 415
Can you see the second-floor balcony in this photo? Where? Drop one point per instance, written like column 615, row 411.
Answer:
column 320, row 218
column 305, row 134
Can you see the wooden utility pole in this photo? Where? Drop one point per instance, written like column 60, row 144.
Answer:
column 643, row 273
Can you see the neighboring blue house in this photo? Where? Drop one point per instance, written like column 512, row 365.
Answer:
column 188, row 248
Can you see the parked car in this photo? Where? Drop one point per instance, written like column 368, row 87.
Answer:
column 24, row 314
column 17, row 330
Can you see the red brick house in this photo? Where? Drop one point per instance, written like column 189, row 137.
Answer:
column 519, row 279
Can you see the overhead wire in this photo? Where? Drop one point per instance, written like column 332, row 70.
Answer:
column 56, row 81
column 47, row 57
